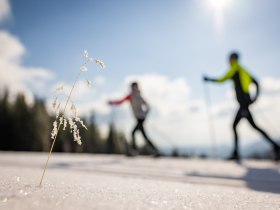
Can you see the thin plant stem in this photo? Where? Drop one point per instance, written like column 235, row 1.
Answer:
column 69, row 96
column 73, row 86
column 46, row 165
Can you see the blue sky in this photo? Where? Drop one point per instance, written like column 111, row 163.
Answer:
column 178, row 40
column 175, row 38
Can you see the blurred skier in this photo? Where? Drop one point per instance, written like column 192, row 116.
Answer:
column 242, row 81
column 140, row 110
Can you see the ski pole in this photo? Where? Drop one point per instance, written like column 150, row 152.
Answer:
column 166, row 138
column 163, row 136
column 112, row 115
column 210, row 120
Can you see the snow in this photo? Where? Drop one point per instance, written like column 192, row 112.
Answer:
column 84, row 181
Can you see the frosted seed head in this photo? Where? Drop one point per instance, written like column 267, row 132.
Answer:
column 60, row 88
column 100, row 63
column 64, row 124
column 83, row 68
column 86, row 54
column 54, row 104
column 88, row 83
column 74, row 110
column 57, row 113
column 54, row 131
column 61, row 120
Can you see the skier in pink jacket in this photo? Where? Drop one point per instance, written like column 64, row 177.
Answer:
column 140, row 109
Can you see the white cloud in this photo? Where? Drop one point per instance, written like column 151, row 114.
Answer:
column 271, row 85
column 11, row 48
column 13, row 75
column 5, row 9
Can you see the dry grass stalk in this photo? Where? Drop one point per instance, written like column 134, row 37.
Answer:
column 61, row 119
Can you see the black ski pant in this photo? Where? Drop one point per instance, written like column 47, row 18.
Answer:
column 139, row 126
column 244, row 112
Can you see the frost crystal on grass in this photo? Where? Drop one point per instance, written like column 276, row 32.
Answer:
column 83, row 68
column 71, row 123
column 64, row 124
column 86, row 54
column 88, row 83
column 81, row 122
column 61, row 120
column 54, row 130
column 100, row 63
column 57, row 113
column 91, row 59
column 54, row 104
column 74, row 130
column 60, row 88
column 74, row 109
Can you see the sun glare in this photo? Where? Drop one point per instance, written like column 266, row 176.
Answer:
column 219, row 5
column 219, row 8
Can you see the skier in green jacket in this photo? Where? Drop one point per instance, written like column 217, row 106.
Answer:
column 242, row 81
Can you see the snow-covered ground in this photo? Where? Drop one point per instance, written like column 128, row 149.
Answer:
column 83, row 181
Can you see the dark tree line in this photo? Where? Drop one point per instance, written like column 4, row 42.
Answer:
column 26, row 127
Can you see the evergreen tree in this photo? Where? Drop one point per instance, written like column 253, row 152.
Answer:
column 92, row 142
column 41, row 124
column 6, row 122
column 116, row 142
column 23, row 129
column 111, row 140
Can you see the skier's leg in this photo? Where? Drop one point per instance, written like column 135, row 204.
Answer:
column 238, row 117
column 276, row 147
column 141, row 127
column 137, row 127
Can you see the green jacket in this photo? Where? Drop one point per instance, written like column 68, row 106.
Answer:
column 239, row 76
column 242, row 81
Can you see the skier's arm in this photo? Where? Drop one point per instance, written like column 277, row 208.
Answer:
column 257, row 91
column 147, row 107
column 227, row 76
column 118, row 102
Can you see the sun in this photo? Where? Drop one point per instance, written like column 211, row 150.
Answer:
column 219, row 5
column 219, row 8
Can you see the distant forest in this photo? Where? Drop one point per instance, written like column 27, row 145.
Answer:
column 28, row 128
